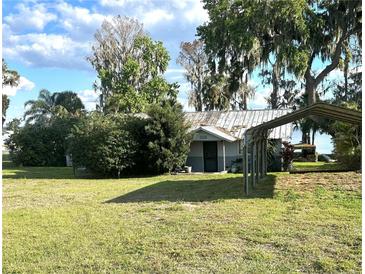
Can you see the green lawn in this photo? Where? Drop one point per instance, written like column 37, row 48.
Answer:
column 180, row 224
column 317, row 166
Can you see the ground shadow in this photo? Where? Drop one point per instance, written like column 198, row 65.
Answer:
column 12, row 171
column 21, row 172
column 198, row 190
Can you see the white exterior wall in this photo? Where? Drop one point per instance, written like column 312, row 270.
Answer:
column 204, row 136
column 196, row 149
column 195, row 157
column 196, row 154
column 231, row 154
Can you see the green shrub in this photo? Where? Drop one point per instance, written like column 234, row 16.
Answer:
column 107, row 145
column 168, row 138
column 102, row 144
column 347, row 141
column 347, row 145
column 40, row 144
column 115, row 144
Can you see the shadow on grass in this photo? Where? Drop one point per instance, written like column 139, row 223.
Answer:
column 198, row 191
column 20, row 172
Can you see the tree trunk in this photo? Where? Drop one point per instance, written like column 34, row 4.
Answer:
column 199, row 95
column 304, row 137
column 199, row 102
column 245, row 94
column 313, row 134
column 310, row 90
column 245, row 101
column 275, row 87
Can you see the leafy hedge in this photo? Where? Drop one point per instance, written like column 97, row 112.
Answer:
column 102, row 144
column 168, row 139
column 347, row 145
column 108, row 145
column 111, row 145
column 347, row 141
column 40, row 144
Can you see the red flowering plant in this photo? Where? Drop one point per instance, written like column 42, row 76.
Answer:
column 288, row 155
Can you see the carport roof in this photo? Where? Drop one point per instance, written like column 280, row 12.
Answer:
column 318, row 109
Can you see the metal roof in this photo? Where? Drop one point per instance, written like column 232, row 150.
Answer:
column 236, row 123
column 217, row 132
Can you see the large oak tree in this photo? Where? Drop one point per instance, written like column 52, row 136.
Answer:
column 297, row 34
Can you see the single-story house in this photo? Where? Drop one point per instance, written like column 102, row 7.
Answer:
column 218, row 137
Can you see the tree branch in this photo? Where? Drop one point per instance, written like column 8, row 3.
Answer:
column 335, row 59
column 307, row 75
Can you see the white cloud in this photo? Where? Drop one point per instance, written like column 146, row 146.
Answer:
column 80, row 23
column 24, row 85
column 112, row 3
column 66, row 50
column 259, row 101
column 185, row 88
column 175, row 74
column 47, row 50
column 30, row 18
column 185, row 103
column 180, row 4
column 75, row 26
column 335, row 74
column 155, row 16
column 196, row 14
column 89, row 98
column 122, row 3
column 174, row 70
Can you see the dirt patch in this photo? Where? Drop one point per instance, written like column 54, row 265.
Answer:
column 349, row 181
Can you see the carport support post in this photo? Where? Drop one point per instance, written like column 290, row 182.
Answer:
column 257, row 159
column 245, row 164
column 265, row 154
column 224, row 155
column 262, row 171
column 253, row 163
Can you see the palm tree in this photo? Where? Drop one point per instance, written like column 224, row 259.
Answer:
column 59, row 104
column 306, row 125
column 10, row 78
column 70, row 101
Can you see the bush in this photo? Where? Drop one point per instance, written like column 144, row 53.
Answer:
column 102, row 144
column 40, row 144
column 118, row 144
column 347, row 145
column 168, row 138
column 347, row 141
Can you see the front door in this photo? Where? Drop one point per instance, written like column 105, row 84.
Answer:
column 210, row 156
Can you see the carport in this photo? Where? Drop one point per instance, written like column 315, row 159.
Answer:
column 255, row 138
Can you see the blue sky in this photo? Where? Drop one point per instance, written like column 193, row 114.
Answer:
column 47, row 43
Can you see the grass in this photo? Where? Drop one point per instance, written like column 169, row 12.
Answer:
column 180, row 224
column 317, row 166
